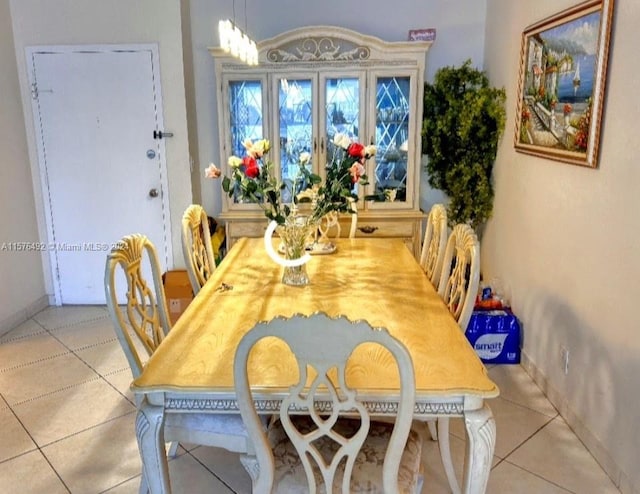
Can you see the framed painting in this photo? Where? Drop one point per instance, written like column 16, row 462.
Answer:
column 562, row 84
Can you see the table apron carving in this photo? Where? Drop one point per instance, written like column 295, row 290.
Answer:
column 422, row 410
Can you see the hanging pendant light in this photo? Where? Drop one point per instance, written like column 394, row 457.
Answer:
column 233, row 40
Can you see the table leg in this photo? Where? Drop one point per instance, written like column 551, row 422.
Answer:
column 150, row 434
column 481, row 442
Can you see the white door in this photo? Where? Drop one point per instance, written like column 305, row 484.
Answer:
column 104, row 174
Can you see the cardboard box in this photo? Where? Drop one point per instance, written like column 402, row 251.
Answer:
column 177, row 291
column 495, row 336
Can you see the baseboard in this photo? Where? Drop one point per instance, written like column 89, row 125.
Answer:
column 593, row 445
column 21, row 316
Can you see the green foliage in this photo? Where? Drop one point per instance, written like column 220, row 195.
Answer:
column 462, row 124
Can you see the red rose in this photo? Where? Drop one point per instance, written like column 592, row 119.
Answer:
column 251, row 168
column 355, row 150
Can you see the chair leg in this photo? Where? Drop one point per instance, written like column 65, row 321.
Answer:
column 433, row 430
column 173, row 449
column 250, row 464
column 445, row 454
column 144, row 488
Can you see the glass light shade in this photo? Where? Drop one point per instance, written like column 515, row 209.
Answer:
column 225, row 30
column 234, row 41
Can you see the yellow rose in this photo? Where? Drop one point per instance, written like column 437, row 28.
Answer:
column 259, row 148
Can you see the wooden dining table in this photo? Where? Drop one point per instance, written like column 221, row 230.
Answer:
column 376, row 280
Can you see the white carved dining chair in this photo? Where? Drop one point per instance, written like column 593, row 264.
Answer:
column 329, row 226
column 353, row 205
column 196, row 246
column 435, row 243
column 458, row 287
column 460, row 276
column 431, row 257
column 141, row 323
column 320, row 450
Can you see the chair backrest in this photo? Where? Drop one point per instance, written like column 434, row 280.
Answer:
column 329, row 226
column 143, row 322
column 322, row 346
column 196, row 246
column 435, row 243
column 354, row 218
column 460, row 275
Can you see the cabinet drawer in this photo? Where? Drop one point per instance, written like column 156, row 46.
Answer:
column 406, row 229
column 385, row 229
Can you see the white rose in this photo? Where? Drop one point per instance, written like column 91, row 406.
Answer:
column 341, row 140
column 305, row 158
column 234, row 162
column 370, row 151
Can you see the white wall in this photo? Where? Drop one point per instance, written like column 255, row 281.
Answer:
column 459, row 35
column 566, row 239
column 42, row 22
column 22, row 289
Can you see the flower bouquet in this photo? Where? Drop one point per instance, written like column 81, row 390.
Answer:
column 253, row 180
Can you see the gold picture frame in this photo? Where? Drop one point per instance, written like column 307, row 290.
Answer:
column 562, row 84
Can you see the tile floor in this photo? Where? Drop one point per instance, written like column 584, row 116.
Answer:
column 68, row 424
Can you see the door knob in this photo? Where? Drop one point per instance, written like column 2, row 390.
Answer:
column 153, row 193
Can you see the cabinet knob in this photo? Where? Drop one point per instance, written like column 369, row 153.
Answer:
column 367, row 229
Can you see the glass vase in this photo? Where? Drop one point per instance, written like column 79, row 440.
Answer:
column 295, row 236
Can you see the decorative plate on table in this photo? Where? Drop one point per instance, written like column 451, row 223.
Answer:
column 319, row 248
column 315, row 249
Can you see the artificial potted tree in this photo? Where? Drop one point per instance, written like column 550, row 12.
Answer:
column 463, row 121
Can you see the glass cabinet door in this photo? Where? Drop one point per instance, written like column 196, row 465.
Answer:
column 341, row 113
column 246, row 119
column 295, row 124
column 342, row 106
column 389, row 177
column 245, row 113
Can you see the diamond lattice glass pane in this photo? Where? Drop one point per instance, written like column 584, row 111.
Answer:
column 245, row 110
column 342, row 96
column 343, row 105
column 392, row 131
column 295, row 108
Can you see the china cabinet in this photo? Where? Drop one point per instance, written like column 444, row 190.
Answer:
column 310, row 84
